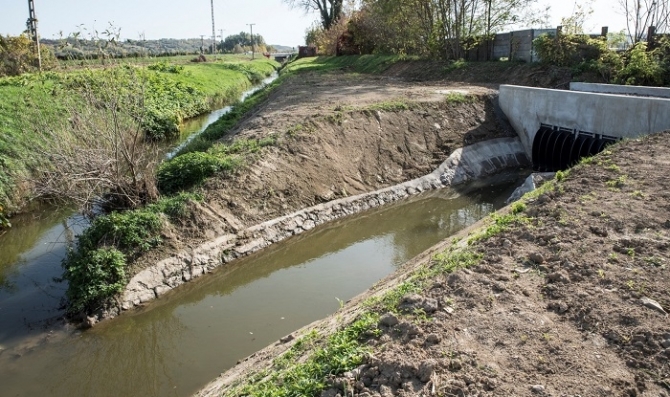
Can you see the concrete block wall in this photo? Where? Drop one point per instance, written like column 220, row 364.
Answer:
column 634, row 90
column 607, row 114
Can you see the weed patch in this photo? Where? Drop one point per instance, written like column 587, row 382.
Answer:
column 459, row 98
column 340, row 352
column 96, row 270
column 191, row 169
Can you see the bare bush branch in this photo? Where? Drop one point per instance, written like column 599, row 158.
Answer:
column 98, row 155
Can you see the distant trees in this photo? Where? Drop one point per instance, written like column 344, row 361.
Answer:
column 329, row 10
column 236, row 43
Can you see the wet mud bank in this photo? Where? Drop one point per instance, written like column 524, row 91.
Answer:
column 466, row 164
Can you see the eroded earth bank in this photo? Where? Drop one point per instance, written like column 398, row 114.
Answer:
column 563, row 294
column 336, row 138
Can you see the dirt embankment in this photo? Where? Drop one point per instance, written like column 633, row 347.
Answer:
column 337, row 135
column 568, row 298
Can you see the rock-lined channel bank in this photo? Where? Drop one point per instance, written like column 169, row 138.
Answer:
column 465, row 164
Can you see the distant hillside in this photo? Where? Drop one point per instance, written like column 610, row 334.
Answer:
column 73, row 48
column 78, row 49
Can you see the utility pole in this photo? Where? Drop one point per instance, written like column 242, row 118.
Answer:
column 221, row 31
column 202, row 44
column 213, row 31
column 251, row 26
column 32, row 28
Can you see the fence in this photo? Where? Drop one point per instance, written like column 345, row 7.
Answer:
column 512, row 46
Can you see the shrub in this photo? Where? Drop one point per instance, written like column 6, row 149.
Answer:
column 166, row 67
column 95, row 271
column 130, row 231
column 641, row 67
column 571, row 50
column 93, row 277
column 190, row 169
column 175, row 206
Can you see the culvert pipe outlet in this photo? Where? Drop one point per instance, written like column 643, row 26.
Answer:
column 558, row 148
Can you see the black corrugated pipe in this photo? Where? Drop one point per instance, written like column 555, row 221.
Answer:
column 556, row 148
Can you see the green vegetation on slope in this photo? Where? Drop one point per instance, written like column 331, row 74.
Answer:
column 371, row 64
column 166, row 94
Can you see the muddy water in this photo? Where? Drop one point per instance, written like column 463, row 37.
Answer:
column 31, row 251
column 191, row 128
column 180, row 342
column 30, row 257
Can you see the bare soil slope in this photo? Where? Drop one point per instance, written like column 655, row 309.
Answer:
column 336, row 135
column 568, row 298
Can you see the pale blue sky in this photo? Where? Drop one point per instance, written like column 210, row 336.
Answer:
column 189, row 19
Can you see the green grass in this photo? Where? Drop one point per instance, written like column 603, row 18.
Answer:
column 391, row 105
column 340, row 352
column 458, row 98
column 32, row 102
column 369, row 64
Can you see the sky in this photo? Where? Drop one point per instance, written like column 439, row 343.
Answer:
column 274, row 20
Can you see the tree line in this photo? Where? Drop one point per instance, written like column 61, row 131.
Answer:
column 445, row 28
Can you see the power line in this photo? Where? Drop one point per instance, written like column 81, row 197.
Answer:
column 32, row 29
column 251, row 26
column 213, row 30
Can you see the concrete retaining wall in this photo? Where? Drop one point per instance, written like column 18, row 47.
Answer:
column 614, row 115
column 655, row 92
column 466, row 164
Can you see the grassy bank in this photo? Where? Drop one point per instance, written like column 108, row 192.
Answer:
column 169, row 93
column 367, row 64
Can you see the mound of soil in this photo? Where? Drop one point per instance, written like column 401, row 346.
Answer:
column 570, row 300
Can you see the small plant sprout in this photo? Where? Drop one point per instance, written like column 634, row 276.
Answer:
column 518, row 207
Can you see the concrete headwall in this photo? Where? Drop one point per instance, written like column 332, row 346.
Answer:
column 613, row 115
column 656, row 92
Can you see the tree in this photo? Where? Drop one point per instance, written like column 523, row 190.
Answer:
column 17, row 55
column 574, row 24
column 243, row 39
column 642, row 14
column 329, row 10
column 437, row 27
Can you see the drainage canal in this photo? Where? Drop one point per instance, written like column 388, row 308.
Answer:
column 558, row 148
column 175, row 345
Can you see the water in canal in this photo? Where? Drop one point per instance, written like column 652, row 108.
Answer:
column 177, row 344
column 31, row 251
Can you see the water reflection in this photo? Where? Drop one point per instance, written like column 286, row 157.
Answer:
column 177, row 344
column 30, row 293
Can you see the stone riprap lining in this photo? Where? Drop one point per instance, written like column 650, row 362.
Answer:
column 466, row 164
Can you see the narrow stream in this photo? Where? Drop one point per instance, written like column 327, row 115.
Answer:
column 193, row 127
column 177, row 344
